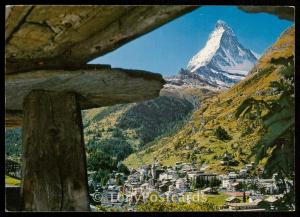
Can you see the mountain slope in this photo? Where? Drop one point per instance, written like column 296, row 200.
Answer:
column 186, row 79
column 197, row 139
column 113, row 133
column 136, row 123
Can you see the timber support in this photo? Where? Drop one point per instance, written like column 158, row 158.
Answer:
column 54, row 161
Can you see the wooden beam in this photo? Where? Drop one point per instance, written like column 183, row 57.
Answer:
column 15, row 18
column 58, row 36
column 54, row 174
column 140, row 20
column 96, row 88
column 283, row 12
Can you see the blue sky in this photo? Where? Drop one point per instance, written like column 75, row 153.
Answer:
column 169, row 48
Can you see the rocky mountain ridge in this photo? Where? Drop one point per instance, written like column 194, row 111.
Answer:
column 222, row 62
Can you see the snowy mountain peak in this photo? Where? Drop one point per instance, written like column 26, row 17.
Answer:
column 212, row 45
column 205, row 55
column 222, row 24
column 223, row 60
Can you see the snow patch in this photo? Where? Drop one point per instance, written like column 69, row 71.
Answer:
column 256, row 54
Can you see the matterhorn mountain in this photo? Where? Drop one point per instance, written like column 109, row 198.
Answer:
column 222, row 62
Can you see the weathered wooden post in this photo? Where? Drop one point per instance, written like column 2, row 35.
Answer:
column 54, row 170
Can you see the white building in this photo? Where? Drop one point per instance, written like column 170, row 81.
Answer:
column 232, row 175
column 249, row 166
column 255, row 198
column 111, row 196
column 168, row 175
column 243, row 172
column 269, row 185
column 142, row 175
column 270, row 188
column 229, row 184
column 226, row 183
column 186, row 167
column 135, row 177
column 206, row 191
column 192, row 175
column 180, row 184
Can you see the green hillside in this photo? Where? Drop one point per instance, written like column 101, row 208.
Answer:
column 199, row 140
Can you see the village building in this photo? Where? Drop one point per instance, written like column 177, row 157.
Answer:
column 268, row 186
column 168, row 175
column 232, row 175
column 271, row 202
column 110, row 196
column 232, row 199
column 134, row 177
column 244, row 206
column 243, row 172
column 249, row 166
column 181, row 184
column 186, row 167
column 111, row 181
column 142, row 175
column 135, row 198
column 203, row 168
column 226, row 183
column 12, row 168
column 207, row 176
column 177, row 166
column 192, row 175
column 207, row 191
column 255, row 198
column 235, row 186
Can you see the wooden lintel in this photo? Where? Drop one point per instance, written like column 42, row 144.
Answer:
column 95, row 87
